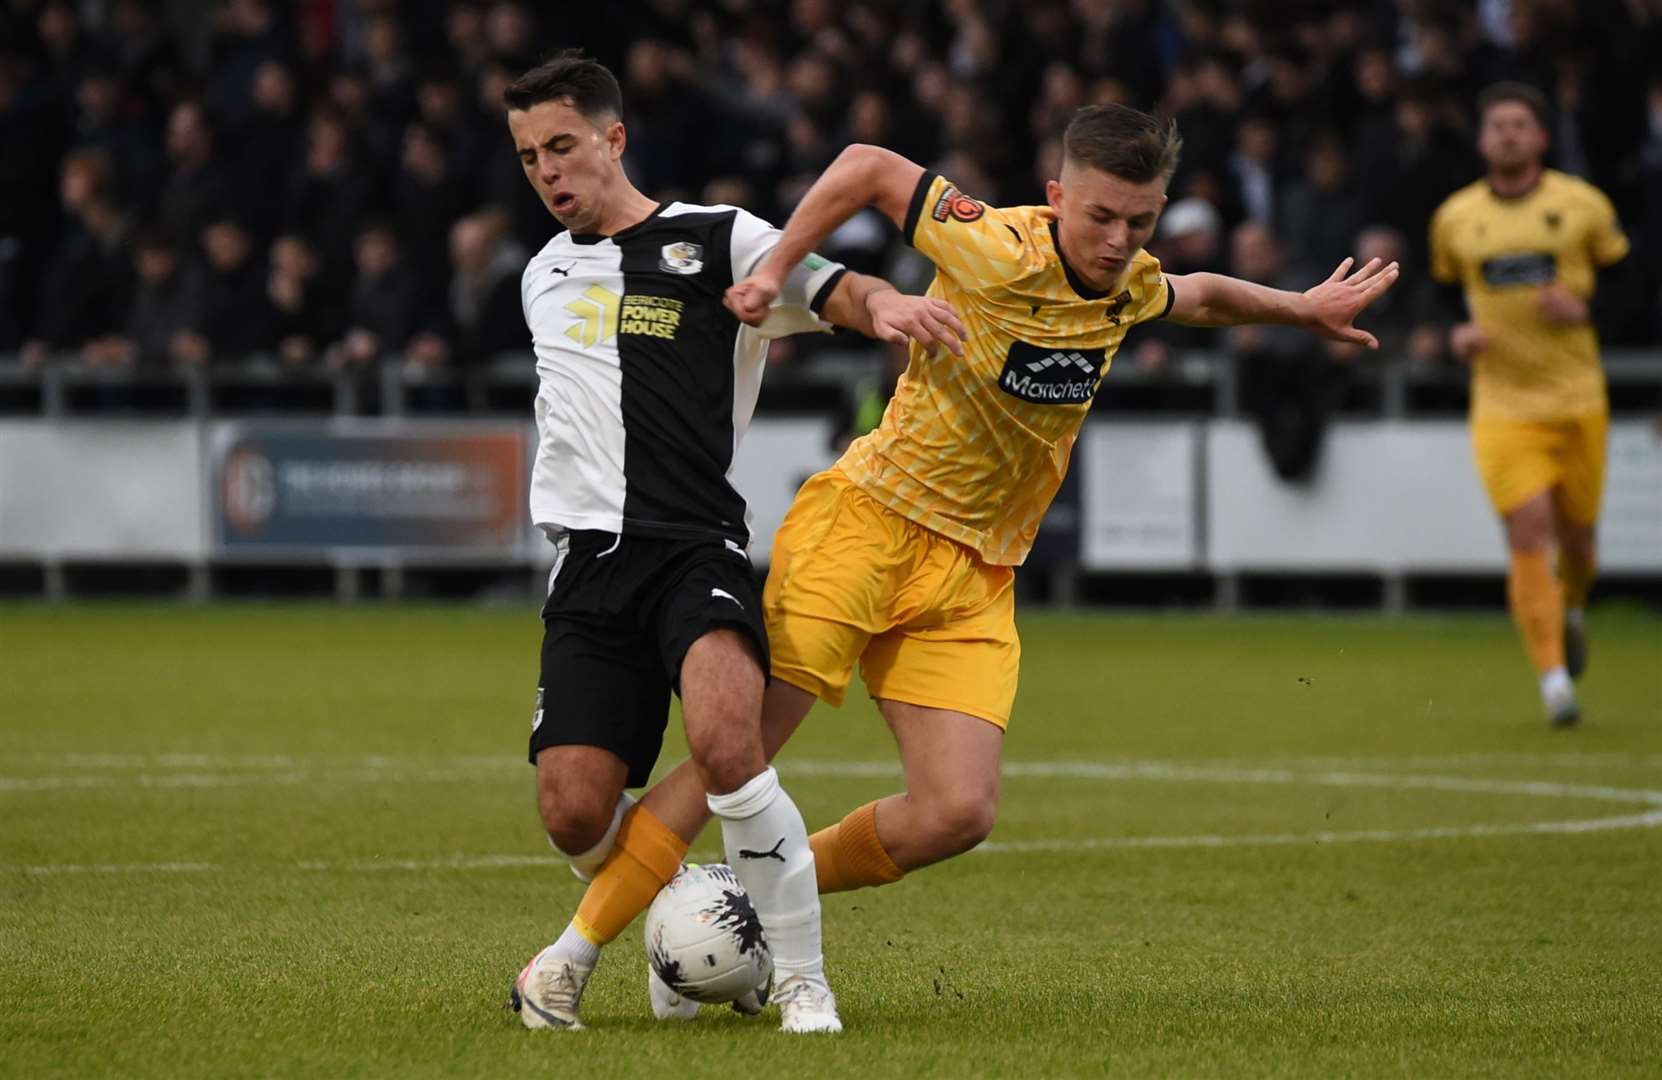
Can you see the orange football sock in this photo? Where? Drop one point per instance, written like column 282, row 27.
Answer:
column 1537, row 602
column 848, row 855
column 1576, row 577
column 647, row 855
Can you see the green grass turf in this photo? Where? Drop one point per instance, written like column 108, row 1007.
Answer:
column 279, row 841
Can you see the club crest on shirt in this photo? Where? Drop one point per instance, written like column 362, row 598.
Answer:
column 956, row 205
column 1116, row 306
column 682, row 257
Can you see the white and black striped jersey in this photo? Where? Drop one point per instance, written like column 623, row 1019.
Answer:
column 647, row 382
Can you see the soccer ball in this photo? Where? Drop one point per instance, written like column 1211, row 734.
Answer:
column 703, row 938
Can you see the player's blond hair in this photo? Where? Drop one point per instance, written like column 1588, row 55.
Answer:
column 1123, row 142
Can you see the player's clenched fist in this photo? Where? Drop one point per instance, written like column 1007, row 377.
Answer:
column 751, row 298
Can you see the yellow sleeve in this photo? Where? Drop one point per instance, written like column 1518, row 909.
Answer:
column 1151, row 293
column 1445, row 265
column 1606, row 242
column 976, row 245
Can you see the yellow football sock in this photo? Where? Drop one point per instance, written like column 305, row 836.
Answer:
column 1576, row 577
column 848, row 855
column 647, row 855
column 1537, row 602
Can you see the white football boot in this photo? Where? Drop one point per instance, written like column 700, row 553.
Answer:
column 668, row 1005
column 1558, row 698
column 549, row 990
column 807, row 1004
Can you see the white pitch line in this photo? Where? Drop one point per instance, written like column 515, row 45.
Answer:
column 1650, row 820
column 381, row 772
column 1443, row 832
column 118, row 868
column 455, row 862
column 1151, row 771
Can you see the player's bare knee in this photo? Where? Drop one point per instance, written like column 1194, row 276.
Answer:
column 728, row 767
column 575, row 822
column 1579, row 543
column 1530, row 527
column 961, row 822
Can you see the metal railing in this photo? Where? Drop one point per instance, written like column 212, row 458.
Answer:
column 1194, row 383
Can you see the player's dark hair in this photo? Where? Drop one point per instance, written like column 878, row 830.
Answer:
column 1123, row 142
column 568, row 76
column 1522, row 93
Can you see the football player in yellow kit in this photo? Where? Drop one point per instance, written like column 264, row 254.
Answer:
column 901, row 556
column 1524, row 243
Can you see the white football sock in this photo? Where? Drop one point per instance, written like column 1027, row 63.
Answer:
column 1555, row 684
column 586, row 863
column 767, row 847
column 575, row 946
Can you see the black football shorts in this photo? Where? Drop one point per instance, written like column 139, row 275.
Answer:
column 621, row 613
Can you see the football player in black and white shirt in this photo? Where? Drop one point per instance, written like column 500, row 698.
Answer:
column 647, row 383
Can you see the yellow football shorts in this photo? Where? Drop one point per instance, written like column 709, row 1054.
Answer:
column 1519, row 459
column 929, row 622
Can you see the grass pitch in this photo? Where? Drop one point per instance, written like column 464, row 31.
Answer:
column 300, row 841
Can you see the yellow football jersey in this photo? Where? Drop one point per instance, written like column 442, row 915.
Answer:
column 974, row 447
column 1502, row 251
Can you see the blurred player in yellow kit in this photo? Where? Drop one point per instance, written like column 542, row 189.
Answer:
column 901, row 556
column 1524, row 243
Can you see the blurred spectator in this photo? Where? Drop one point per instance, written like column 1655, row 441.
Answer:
column 464, row 32
column 484, row 302
column 1321, row 212
column 305, row 315
column 471, row 139
column 1407, row 319
column 426, row 199
column 1428, row 160
column 484, row 290
column 168, row 303
column 270, row 147
column 151, row 68
column 1287, row 382
column 331, row 192
column 236, row 320
column 1188, row 241
column 511, row 33
column 87, row 281
column 66, row 49
column 104, row 122
column 1650, row 225
column 391, row 74
column 199, row 185
column 248, row 36
column 382, row 313
column 1205, row 99
column 1254, row 167
column 305, row 119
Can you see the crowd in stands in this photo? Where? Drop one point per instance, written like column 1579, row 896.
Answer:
column 330, row 183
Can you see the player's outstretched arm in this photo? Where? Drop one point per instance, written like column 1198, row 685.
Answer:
column 878, row 310
column 861, row 176
column 1329, row 309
